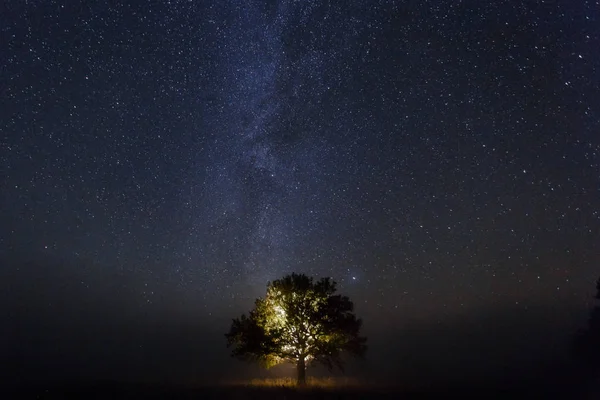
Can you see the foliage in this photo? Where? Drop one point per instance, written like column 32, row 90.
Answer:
column 298, row 321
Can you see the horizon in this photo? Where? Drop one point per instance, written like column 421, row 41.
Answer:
column 86, row 343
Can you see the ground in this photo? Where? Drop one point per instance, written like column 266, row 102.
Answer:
column 282, row 389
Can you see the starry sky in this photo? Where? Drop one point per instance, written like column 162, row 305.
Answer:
column 161, row 161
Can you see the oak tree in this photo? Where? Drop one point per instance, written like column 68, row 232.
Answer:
column 300, row 321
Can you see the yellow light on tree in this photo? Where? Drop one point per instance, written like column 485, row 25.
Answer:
column 298, row 321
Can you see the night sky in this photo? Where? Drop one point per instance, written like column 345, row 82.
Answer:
column 161, row 161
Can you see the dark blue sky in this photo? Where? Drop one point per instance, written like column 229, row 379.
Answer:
column 440, row 160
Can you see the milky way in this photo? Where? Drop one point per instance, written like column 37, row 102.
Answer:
column 257, row 164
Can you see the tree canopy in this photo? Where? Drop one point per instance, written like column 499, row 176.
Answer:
column 298, row 321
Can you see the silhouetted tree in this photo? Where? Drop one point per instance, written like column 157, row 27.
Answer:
column 587, row 342
column 299, row 321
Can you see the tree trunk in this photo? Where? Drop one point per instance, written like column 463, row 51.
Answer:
column 301, row 371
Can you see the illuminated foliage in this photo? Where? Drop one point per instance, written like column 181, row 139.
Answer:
column 298, row 321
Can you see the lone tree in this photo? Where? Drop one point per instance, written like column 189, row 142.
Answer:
column 299, row 321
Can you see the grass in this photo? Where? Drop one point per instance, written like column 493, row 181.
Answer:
column 311, row 382
column 271, row 389
column 324, row 388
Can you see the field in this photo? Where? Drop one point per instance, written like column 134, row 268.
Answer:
column 327, row 388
